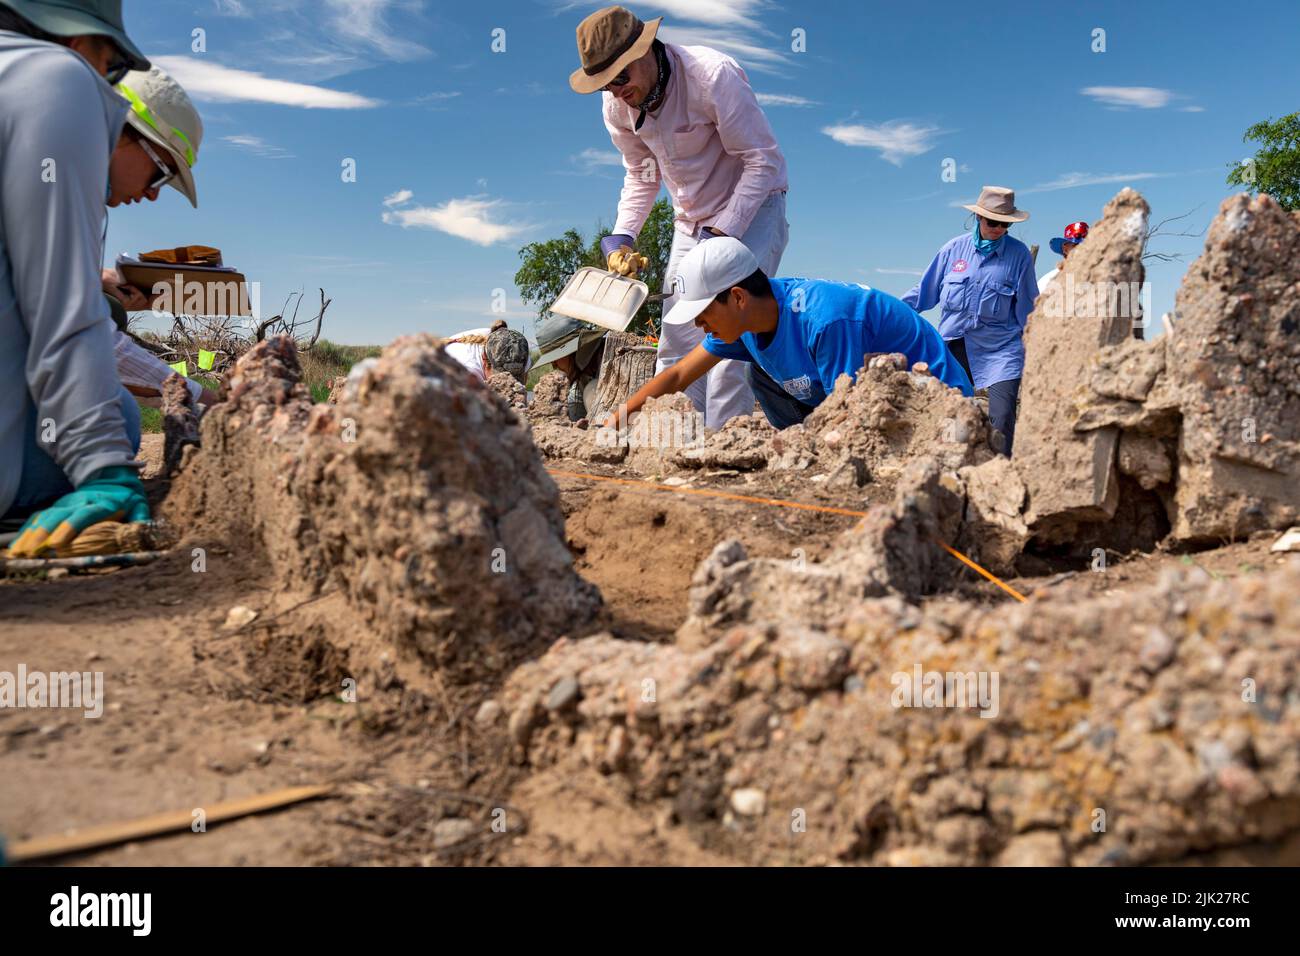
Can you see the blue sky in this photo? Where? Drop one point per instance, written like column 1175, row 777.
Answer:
column 494, row 149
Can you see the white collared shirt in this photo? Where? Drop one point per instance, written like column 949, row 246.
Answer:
column 709, row 143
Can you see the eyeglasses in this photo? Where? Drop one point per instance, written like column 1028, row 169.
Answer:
column 623, row 79
column 165, row 173
column 118, row 69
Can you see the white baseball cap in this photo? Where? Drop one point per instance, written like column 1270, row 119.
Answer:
column 708, row 270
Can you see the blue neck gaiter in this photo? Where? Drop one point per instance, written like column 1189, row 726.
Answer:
column 986, row 247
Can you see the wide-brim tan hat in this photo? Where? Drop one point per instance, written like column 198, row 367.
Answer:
column 609, row 40
column 998, row 202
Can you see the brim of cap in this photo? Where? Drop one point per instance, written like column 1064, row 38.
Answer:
column 1059, row 242
column 686, row 310
column 182, row 182
column 63, row 22
column 582, row 83
column 568, row 348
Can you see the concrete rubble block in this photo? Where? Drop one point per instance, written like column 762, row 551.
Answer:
column 1145, row 458
column 1235, row 356
column 1127, row 388
column 550, row 397
column 885, row 418
column 510, row 389
column 894, row 550
column 1112, row 729
column 993, row 532
column 866, row 430
column 1070, row 476
column 419, row 495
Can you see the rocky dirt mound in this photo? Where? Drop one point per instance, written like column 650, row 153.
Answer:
column 1123, row 730
column 419, row 495
column 550, row 396
column 867, row 429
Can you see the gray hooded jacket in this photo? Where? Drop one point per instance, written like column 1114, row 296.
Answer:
column 59, row 122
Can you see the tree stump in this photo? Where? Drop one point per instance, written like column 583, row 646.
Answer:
column 628, row 363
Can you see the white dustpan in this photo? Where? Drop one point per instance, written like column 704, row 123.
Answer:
column 602, row 298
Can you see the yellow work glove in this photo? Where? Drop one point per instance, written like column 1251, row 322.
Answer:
column 626, row 262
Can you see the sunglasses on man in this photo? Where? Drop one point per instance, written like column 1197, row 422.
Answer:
column 992, row 223
column 165, row 173
column 623, row 79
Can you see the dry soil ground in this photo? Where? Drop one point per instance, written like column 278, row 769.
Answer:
column 197, row 713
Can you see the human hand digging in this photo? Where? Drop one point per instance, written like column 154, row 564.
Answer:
column 110, row 494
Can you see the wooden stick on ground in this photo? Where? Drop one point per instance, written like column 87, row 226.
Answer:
column 124, row 831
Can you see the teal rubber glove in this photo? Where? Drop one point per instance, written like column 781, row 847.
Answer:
column 110, row 494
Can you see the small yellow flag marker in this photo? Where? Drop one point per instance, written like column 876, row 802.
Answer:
column 180, row 367
column 206, row 360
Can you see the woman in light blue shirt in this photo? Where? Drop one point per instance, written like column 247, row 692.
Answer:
column 983, row 281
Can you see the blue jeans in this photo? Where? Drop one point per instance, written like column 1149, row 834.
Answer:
column 781, row 408
column 43, row 481
column 1004, row 397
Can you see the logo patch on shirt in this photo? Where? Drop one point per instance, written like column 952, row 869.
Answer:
column 959, row 265
column 800, row 388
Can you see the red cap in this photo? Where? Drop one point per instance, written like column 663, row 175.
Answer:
column 1076, row 232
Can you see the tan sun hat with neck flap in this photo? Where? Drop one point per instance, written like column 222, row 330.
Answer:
column 608, row 41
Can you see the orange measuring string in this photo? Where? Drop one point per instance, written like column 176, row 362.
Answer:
column 776, row 502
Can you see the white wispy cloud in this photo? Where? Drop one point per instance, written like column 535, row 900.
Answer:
column 589, row 159
column 749, row 49
column 1130, row 97
column 257, row 146
column 206, row 80
column 366, row 23
column 470, row 217
column 399, row 197
column 1075, row 180
column 901, row 272
column 896, row 140
column 783, row 99
column 315, row 40
column 728, row 13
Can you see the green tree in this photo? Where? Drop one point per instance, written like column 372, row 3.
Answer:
column 1275, row 168
column 548, row 265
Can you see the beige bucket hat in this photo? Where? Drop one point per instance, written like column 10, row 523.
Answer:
column 609, row 40
column 162, row 113
column 998, row 202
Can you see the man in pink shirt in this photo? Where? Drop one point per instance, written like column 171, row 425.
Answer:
column 686, row 117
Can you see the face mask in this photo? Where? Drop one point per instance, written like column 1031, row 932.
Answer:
column 987, row 246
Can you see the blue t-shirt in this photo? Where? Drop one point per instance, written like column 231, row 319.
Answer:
column 825, row 329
